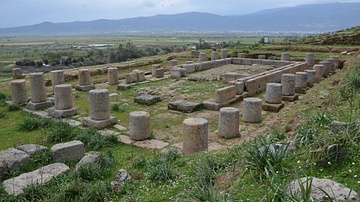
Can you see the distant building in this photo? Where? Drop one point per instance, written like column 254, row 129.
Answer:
column 266, row 39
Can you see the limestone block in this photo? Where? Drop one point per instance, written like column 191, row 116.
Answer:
column 139, row 128
column 32, row 148
column 147, row 99
column 273, row 93
column 225, row 94
column 16, row 185
column 18, row 91
column 229, row 120
column 68, row 151
column 11, row 159
column 195, row 135
column 252, row 108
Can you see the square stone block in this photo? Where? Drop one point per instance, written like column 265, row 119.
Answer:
column 184, row 106
column 290, row 98
column 123, row 86
column 147, row 99
column 99, row 124
column 39, row 106
column 68, row 151
column 272, row 107
column 84, row 88
column 56, row 113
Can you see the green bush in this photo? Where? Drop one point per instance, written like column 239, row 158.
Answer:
column 118, row 107
column 30, row 123
column 160, row 169
column 88, row 172
column 107, row 159
column 93, row 140
column 13, row 107
column 61, row 132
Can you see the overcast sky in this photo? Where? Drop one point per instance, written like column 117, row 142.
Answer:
column 27, row 12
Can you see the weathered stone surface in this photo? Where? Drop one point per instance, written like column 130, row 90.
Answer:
column 173, row 63
column 300, row 80
column 290, row 98
column 214, row 55
column 84, row 77
column 119, row 180
column 57, row 77
column 16, row 185
column 18, row 91
column 326, row 65
column 17, row 73
column 99, row 104
column 184, row 106
column 239, row 87
column 154, row 69
column 224, row 54
column 273, row 93
column 123, row 86
column 139, row 127
column 32, row 148
column 252, row 108
column 112, row 74
column 84, row 88
column 225, row 94
column 37, row 88
column 229, row 120
column 125, row 139
column 119, row 127
column 39, row 105
column 311, row 76
column 99, row 124
column 151, row 144
column 89, row 158
column 272, row 107
column 336, row 191
column 230, row 76
column 147, row 99
column 11, row 159
column 195, row 135
column 202, row 57
column 190, row 68
column 140, row 75
column 338, row 126
column 285, row 56
column 160, row 73
column 68, row 151
column 309, row 59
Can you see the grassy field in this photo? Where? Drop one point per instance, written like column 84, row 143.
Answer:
column 237, row 173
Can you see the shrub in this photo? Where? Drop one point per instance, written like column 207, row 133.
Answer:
column 13, row 107
column 262, row 155
column 107, row 160
column 159, row 169
column 61, row 132
column 88, row 172
column 2, row 114
column 30, row 123
column 93, row 140
column 118, row 107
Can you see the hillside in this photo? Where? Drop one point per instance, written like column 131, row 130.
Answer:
column 305, row 18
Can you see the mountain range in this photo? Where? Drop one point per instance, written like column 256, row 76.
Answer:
column 312, row 18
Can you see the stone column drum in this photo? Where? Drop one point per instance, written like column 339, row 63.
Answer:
column 229, row 119
column 202, row 57
column 195, row 135
column 18, row 92
column 300, row 80
column 309, row 59
column 112, row 74
column 17, row 73
column 326, row 65
column 84, row 81
column 63, row 102
column 332, row 66
column 99, row 109
column 252, row 108
column 285, row 56
column 139, row 128
column 311, row 76
column 57, row 77
column 239, row 87
column 214, row 55
column 273, row 93
column 288, row 84
column 224, row 54
column 173, row 63
column 154, row 69
column 38, row 98
column 336, row 59
column 319, row 71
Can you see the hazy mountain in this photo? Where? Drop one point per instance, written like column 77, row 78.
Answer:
column 305, row 18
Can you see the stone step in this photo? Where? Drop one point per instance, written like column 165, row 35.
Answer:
column 16, row 185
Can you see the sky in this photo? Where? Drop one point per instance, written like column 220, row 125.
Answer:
column 15, row 13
